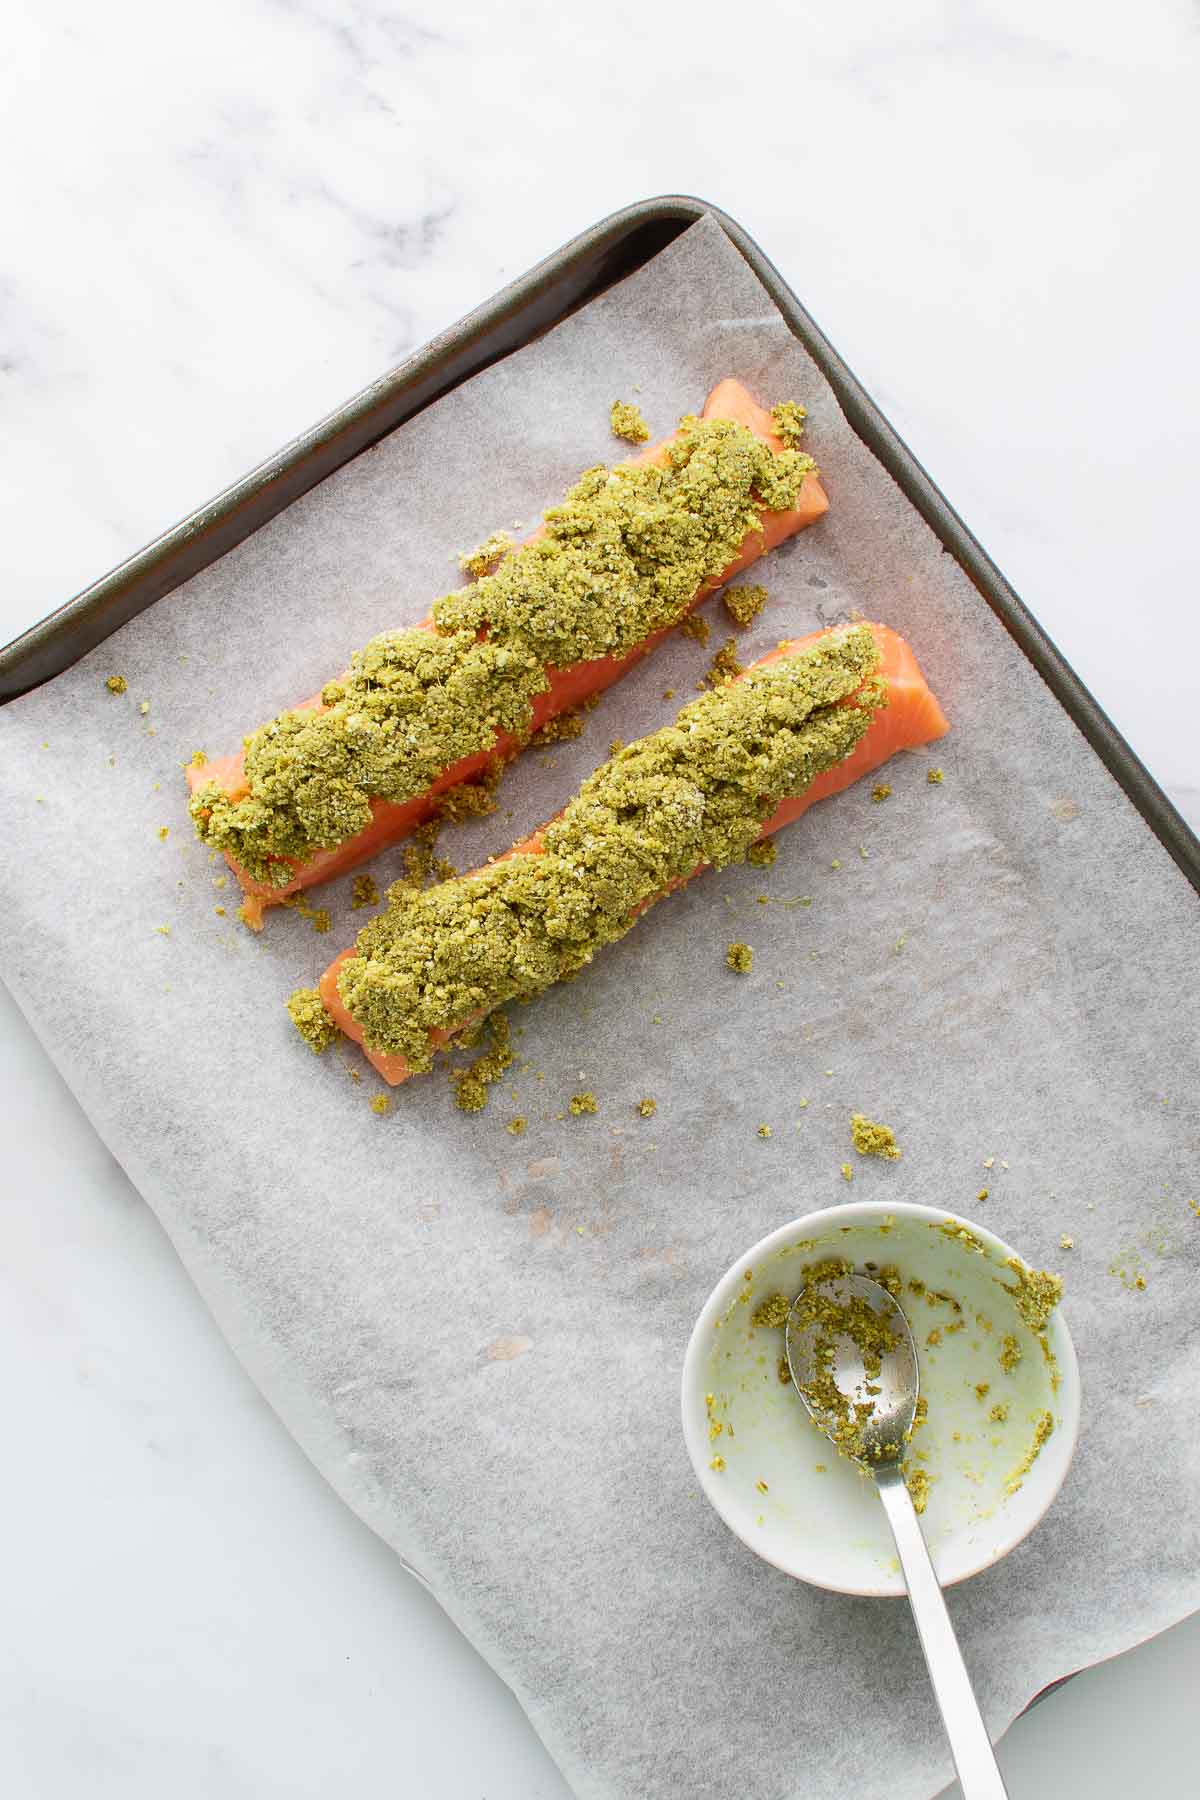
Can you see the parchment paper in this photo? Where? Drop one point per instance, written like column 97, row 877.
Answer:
column 478, row 1337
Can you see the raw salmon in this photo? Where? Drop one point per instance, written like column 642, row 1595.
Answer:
column 392, row 820
column 911, row 717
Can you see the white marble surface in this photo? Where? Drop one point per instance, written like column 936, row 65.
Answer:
column 214, row 227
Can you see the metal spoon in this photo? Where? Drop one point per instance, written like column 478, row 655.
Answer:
column 880, row 1447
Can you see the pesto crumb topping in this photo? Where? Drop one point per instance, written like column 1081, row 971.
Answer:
column 381, row 1104
column 880, row 791
column 517, row 1126
column 311, row 1019
column 646, row 1108
column 472, row 1083
column 772, row 1312
column 1036, row 1294
column 558, row 730
column 744, row 603
column 740, row 958
column 935, row 777
column 117, row 684
column 873, row 1140
column 483, row 560
column 581, row 1104
column 696, row 792
column 723, row 667
column 625, row 421
column 788, row 420
column 624, row 555
column 762, row 854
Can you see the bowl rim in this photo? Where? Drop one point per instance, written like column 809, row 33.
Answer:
column 857, row 1211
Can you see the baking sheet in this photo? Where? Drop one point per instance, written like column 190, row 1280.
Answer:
column 478, row 1337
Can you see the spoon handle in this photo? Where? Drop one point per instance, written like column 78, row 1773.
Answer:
column 970, row 1745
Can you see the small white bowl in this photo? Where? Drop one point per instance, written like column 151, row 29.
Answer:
column 783, row 1488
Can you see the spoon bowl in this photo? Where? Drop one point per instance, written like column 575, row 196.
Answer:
column 881, row 1386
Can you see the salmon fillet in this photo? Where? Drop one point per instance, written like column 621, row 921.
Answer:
column 912, row 717
column 392, row 821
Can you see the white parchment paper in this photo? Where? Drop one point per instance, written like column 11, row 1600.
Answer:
column 478, row 1337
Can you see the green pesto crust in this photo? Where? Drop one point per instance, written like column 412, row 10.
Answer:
column 623, row 556
column 696, row 792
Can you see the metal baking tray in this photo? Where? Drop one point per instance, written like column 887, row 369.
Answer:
column 518, row 313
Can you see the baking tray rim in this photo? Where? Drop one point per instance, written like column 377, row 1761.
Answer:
column 84, row 621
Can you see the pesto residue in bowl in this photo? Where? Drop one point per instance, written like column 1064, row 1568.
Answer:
column 623, row 556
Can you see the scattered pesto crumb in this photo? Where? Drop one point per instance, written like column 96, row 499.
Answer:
column 771, row 1312
column 1041, row 1432
column 934, row 777
column 982, row 1194
column 762, row 854
column 646, row 1108
column 782, row 1370
column 999, row 1412
column 364, row 892
column 802, row 1102
column 870, row 1139
column 117, row 684
column 615, row 746
column 934, row 1338
column 762, row 1487
column 668, row 693
column 625, row 421
column 198, row 759
column 472, row 1083
column 740, row 958
column 143, row 707
column 220, row 911
column 317, row 916
column 744, row 603
column 1010, row 1354
column 723, row 667
column 881, row 790
column 583, row 1103
column 717, row 1463
column 311, row 1019
column 381, row 1103
column 819, row 1469
column 164, row 832
column 847, row 1172
column 764, row 1131
column 836, row 863
column 918, row 1484
column 695, row 626
column 1036, row 1294
column 1065, row 1242
column 788, row 419
column 485, row 559
column 559, row 730
column 517, row 1125
column 982, row 1389
column 163, row 930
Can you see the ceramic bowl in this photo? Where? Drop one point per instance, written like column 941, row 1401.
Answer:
column 781, row 1486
